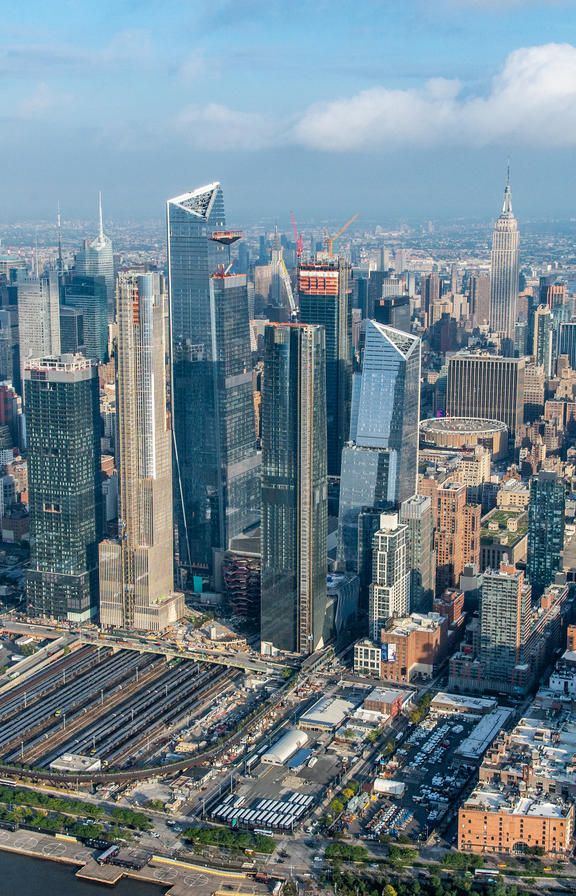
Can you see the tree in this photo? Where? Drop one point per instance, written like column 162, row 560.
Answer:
column 388, row 890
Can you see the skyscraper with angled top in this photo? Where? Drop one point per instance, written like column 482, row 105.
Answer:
column 505, row 270
column 380, row 463
column 217, row 463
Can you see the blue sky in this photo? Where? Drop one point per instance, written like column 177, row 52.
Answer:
column 393, row 108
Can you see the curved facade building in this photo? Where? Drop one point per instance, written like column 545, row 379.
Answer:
column 465, row 432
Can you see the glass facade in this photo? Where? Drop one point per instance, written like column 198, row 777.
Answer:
column 324, row 295
column 545, row 530
column 65, row 495
column 89, row 295
column 217, row 465
column 381, row 465
column 364, row 484
column 294, row 489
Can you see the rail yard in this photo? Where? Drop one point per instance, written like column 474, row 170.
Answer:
column 117, row 707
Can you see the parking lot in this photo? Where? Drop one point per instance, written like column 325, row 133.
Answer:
column 433, row 775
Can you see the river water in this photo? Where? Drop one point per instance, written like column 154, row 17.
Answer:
column 22, row 876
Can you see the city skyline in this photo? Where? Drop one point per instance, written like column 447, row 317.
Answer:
column 482, row 81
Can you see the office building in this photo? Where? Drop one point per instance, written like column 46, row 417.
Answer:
column 480, row 299
column 217, row 464
column 416, row 514
column 386, row 404
column 38, row 317
column 90, row 296
column 429, row 292
column 380, row 465
column 324, row 295
column 542, row 343
column 294, row 489
column 71, row 331
column 504, row 281
column 96, row 260
column 567, row 341
column 137, row 568
column 534, row 391
column 390, row 587
column 394, row 311
column 457, row 540
column 545, row 529
column 407, row 647
column 486, row 386
column 64, row 489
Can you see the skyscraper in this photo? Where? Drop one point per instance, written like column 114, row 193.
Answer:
column 567, row 344
column 480, row 299
column 389, row 591
column 505, row 611
column 416, row 514
column 386, row 404
column 430, row 292
column 543, row 333
column 294, row 489
column 505, row 270
column 545, row 530
column 324, row 295
column 65, row 495
column 96, row 259
column 137, row 568
column 90, row 295
column 486, row 386
column 381, row 464
column 218, row 466
column 38, row 317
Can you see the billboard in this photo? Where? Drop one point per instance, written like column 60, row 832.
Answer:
column 384, row 653
column 391, row 653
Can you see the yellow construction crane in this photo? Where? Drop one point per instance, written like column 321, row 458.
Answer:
column 330, row 240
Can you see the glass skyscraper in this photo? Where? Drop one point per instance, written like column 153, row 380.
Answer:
column 65, row 493
column 294, row 489
column 545, row 530
column 90, row 295
column 380, row 466
column 217, row 464
column 96, row 259
column 324, row 295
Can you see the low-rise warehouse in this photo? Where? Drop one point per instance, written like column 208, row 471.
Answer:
column 285, row 748
column 327, row 714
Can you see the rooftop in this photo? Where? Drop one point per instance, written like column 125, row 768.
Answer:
column 510, row 802
column 461, row 425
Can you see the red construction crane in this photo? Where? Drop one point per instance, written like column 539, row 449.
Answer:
column 299, row 239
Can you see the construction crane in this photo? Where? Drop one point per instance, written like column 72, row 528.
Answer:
column 299, row 239
column 330, row 240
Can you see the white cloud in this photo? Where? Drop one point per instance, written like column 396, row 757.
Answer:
column 193, row 67
column 532, row 98
column 43, row 102
column 217, row 127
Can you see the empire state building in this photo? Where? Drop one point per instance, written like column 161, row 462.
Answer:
column 504, row 282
